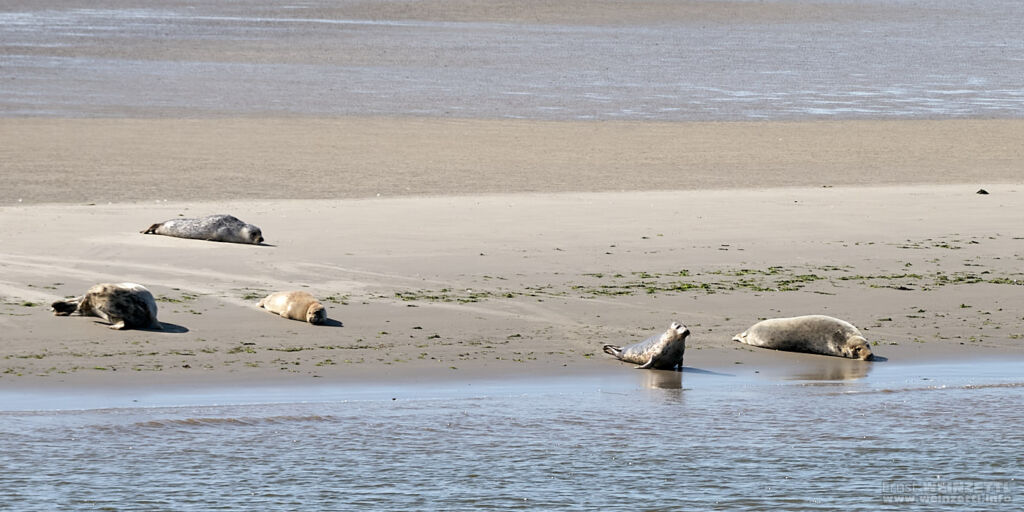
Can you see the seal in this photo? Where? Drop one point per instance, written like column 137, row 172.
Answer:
column 816, row 334
column 661, row 352
column 124, row 305
column 297, row 305
column 217, row 228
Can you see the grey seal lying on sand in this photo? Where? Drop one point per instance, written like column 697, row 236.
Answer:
column 124, row 305
column 297, row 305
column 817, row 334
column 661, row 352
column 217, row 228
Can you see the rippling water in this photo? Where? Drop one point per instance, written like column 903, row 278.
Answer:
column 885, row 437
column 867, row 59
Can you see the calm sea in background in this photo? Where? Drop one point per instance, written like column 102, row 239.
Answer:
column 848, row 436
column 854, row 59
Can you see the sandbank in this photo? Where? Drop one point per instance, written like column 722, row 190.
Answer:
column 481, row 285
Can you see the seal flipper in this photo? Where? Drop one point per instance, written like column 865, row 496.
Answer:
column 65, row 307
column 613, row 350
column 646, row 365
column 151, row 230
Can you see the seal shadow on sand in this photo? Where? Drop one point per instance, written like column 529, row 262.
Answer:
column 261, row 244
column 330, row 322
column 167, row 328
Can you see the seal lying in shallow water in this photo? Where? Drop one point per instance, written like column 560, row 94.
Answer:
column 297, row 305
column 817, row 334
column 124, row 305
column 661, row 352
column 217, row 228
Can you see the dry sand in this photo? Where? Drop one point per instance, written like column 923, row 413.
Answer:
column 493, row 278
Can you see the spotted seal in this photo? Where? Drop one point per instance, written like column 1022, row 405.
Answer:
column 297, row 305
column 661, row 352
column 217, row 228
column 817, row 334
column 124, row 305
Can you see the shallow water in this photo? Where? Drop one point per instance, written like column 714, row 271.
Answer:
column 867, row 59
column 882, row 437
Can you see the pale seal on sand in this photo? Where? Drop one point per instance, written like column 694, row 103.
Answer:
column 217, row 228
column 661, row 352
column 124, row 305
column 817, row 334
column 297, row 305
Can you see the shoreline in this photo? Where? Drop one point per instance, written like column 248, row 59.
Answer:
column 110, row 394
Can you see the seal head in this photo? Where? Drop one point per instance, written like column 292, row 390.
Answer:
column 316, row 314
column 856, row 347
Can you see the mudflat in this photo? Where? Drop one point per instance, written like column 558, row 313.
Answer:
column 146, row 160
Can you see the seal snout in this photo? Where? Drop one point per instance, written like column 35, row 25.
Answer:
column 864, row 353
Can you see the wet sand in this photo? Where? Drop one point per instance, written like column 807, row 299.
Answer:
column 493, row 279
column 146, row 160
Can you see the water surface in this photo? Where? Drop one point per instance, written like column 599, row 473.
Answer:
column 859, row 437
column 847, row 59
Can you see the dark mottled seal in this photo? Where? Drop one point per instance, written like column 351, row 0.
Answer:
column 660, row 352
column 124, row 305
column 817, row 334
column 217, row 228
column 297, row 305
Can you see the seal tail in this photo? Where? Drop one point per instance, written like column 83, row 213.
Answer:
column 613, row 350
column 150, row 230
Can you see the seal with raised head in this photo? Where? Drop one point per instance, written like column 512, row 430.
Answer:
column 217, row 228
column 124, row 305
column 661, row 352
column 297, row 305
column 816, row 334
